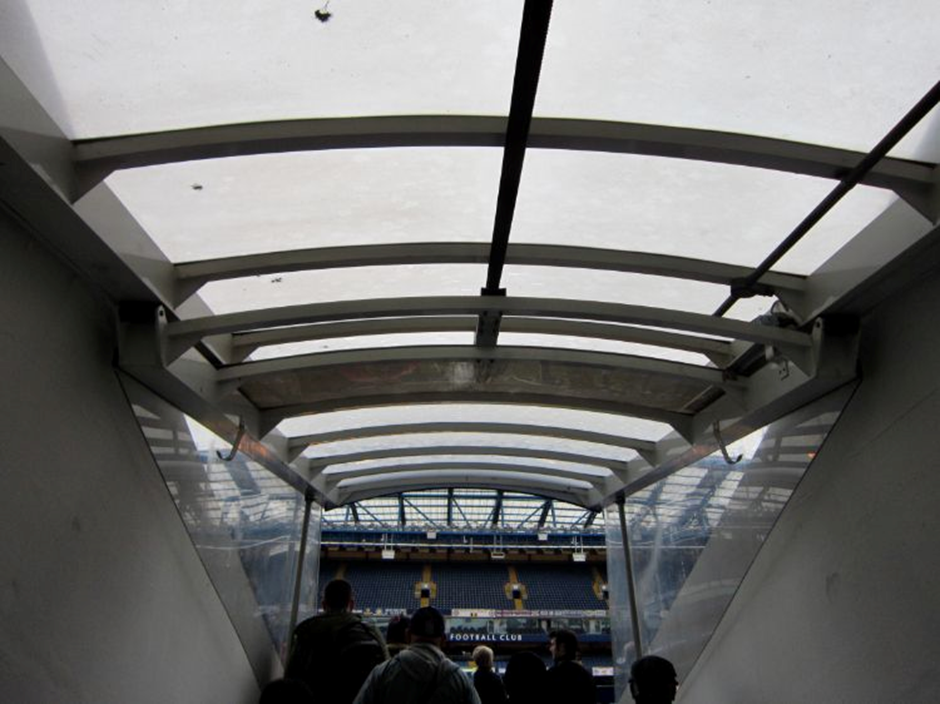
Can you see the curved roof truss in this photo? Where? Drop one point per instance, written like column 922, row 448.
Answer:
column 176, row 339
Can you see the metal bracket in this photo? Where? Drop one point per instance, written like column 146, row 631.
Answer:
column 238, row 441
column 716, row 428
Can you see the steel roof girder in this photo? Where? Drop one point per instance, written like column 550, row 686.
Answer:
column 298, row 444
column 185, row 333
column 333, row 479
column 333, row 462
column 323, row 360
column 191, row 276
column 269, row 418
column 719, row 352
column 587, row 498
column 95, row 159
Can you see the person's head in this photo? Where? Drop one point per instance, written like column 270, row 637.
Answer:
column 653, row 680
column 427, row 626
column 286, row 692
column 338, row 596
column 483, row 657
column 563, row 645
column 525, row 677
column 397, row 630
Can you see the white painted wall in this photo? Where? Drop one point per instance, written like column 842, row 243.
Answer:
column 843, row 602
column 102, row 596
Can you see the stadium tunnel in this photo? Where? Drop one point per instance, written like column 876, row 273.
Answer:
column 674, row 272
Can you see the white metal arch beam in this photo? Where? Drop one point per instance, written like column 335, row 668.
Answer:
column 330, row 480
column 575, row 492
column 96, row 159
column 183, row 334
column 237, row 374
column 332, row 462
column 192, row 275
column 244, row 343
column 298, row 443
column 270, row 417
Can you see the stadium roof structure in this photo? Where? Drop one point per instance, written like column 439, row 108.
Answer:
column 560, row 250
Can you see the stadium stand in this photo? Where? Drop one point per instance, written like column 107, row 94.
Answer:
column 559, row 586
column 386, row 586
column 471, row 586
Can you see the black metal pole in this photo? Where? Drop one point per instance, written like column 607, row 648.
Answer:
column 301, row 555
column 852, row 179
column 631, row 585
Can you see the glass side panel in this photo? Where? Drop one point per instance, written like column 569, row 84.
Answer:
column 694, row 534
column 245, row 205
column 159, row 66
column 713, row 212
column 244, row 522
column 839, row 73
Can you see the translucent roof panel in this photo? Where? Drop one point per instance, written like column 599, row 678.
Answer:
column 106, row 67
column 613, row 346
column 456, row 412
column 715, row 212
column 346, row 385
column 276, row 290
column 365, row 341
column 270, row 202
column 839, row 73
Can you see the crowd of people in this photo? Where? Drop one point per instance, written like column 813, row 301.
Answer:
column 338, row 658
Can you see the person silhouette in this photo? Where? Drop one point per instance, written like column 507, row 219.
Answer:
column 653, row 680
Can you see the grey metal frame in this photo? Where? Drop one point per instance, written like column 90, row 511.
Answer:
column 183, row 334
column 96, row 159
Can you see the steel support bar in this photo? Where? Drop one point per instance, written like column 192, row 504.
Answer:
column 586, row 498
column 97, row 158
column 631, row 583
column 329, row 480
column 192, row 275
column 246, row 371
column 718, row 351
column 852, row 179
column 184, row 334
column 299, row 443
column 387, row 452
column 301, row 556
column 681, row 422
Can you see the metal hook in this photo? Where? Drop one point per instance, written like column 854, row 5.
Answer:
column 716, row 428
column 238, row 441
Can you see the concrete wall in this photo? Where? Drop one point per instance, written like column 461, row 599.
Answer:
column 843, row 602
column 102, row 596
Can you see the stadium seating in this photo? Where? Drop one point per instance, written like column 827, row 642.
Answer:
column 471, row 586
column 559, row 586
column 389, row 586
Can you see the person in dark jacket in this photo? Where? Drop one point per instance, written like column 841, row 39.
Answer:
column 421, row 673
column 489, row 684
column 653, row 680
column 525, row 679
column 334, row 652
column 567, row 680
